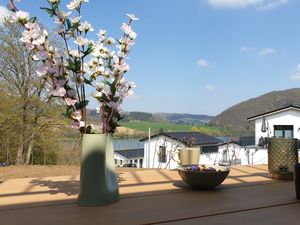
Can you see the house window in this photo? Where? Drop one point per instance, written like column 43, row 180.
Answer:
column 284, row 131
column 141, row 163
column 162, row 154
column 225, row 156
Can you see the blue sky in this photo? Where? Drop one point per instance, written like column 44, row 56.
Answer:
column 201, row 56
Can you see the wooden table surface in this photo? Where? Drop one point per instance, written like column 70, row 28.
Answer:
column 247, row 196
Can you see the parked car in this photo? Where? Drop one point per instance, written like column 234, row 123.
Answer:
column 4, row 164
column 129, row 165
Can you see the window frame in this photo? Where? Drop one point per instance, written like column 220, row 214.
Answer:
column 162, row 154
column 284, row 128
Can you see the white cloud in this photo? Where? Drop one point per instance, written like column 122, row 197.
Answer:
column 203, row 63
column 269, row 5
column 3, row 13
column 257, row 4
column 296, row 73
column 245, row 49
column 233, row 3
column 266, row 51
column 210, row 88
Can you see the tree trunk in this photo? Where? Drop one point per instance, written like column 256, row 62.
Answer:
column 29, row 150
column 19, row 159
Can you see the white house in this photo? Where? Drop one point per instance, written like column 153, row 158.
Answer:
column 130, row 156
column 283, row 122
column 161, row 150
column 128, row 151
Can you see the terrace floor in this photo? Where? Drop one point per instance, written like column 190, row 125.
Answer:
column 247, row 196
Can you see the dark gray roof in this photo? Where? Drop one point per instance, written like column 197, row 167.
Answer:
column 247, row 141
column 132, row 153
column 224, row 139
column 185, row 137
column 125, row 144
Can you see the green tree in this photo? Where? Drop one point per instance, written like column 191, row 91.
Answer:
column 29, row 114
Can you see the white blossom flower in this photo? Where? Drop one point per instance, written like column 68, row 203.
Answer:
column 42, row 70
column 126, row 28
column 132, row 35
column 75, row 53
column 19, row 16
column 81, row 123
column 41, row 55
column 132, row 17
column 61, row 16
column 54, row 70
column 70, row 101
column 96, row 94
column 123, row 68
column 114, row 105
column 39, row 40
column 99, row 86
column 75, row 19
column 81, row 41
column 74, row 4
column 107, row 73
column 59, row 29
column 110, row 41
column 101, row 33
column 76, row 115
column 56, row 89
column 98, row 110
column 85, row 27
column 106, row 90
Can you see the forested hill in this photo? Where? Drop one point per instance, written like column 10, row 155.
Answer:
column 236, row 116
column 175, row 118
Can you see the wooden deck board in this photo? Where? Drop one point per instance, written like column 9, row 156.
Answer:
column 150, row 197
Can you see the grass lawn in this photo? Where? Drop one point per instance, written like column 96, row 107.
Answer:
column 155, row 126
column 169, row 127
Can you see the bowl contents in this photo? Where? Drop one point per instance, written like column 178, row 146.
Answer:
column 202, row 168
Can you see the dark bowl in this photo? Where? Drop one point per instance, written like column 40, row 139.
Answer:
column 204, row 179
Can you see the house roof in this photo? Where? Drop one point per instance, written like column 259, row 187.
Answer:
column 247, row 141
column 274, row 112
column 186, row 137
column 125, row 144
column 131, row 153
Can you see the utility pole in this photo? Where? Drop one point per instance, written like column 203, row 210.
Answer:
column 148, row 154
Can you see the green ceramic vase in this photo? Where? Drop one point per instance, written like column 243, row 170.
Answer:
column 98, row 177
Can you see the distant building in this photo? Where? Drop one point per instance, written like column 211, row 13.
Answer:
column 132, row 156
column 128, row 151
column 162, row 149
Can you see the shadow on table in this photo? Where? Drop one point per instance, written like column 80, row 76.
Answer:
column 181, row 184
column 70, row 187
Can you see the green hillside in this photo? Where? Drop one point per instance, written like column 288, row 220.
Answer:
column 156, row 127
